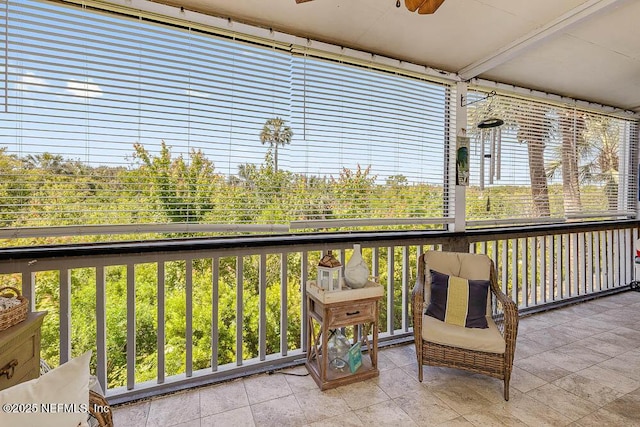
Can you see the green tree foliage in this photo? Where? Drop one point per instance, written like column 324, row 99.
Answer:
column 12, row 194
column 182, row 190
column 351, row 192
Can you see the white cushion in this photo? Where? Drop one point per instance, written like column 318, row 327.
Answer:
column 63, row 391
column 489, row 340
column 467, row 266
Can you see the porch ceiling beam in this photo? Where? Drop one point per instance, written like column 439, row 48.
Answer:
column 585, row 11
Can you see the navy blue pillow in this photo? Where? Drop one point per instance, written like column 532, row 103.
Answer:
column 458, row 301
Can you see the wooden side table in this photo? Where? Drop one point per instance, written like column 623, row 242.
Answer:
column 20, row 351
column 327, row 311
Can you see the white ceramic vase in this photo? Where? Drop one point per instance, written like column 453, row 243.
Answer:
column 356, row 272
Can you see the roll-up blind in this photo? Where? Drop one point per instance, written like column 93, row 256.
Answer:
column 118, row 119
column 380, row 138
column 548, row 161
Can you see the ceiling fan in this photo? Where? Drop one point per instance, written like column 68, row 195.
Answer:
column 424, row 7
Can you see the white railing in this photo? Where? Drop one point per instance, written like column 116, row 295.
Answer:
column 260, row 280
column 542, row 268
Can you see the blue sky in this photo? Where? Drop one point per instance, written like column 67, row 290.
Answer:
column 89, row 90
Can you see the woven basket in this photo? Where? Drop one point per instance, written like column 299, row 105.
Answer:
column 103, row 416
column 16, row 314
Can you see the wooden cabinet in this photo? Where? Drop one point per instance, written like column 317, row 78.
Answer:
column 20, row 351
column 327, row 311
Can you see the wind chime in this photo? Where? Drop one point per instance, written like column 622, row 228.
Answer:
column 489, row 140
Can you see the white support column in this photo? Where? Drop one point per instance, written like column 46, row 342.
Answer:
column 460, row 194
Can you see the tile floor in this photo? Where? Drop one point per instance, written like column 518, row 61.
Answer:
column 577, row 366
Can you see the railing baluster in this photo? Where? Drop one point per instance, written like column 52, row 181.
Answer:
column 215, row 302
column 514, row 272
column 189, row 316
column 566, row 264
column 544, row 256
column 610, row 260
column 284, row 303
column 628, row 256
column 631, row 244
column 390, row 289
column 262, row 307
column 406, row 291
column 505, row 267
column 101, row 327
column 557, row 294
column 632, row 253
column 131, row 326
column 615, row 253
column 375, row 262
column 239, row 308
column 28, row 279
column 304, row 273
column 590, row 266
column 494, row 252
column 534, row 270
column 574, row 288
column 598, row 260
column 622, row 257
column 161, row 316
column 581, row 283
column 65, row 315
column 524, row 272
column 551, row 276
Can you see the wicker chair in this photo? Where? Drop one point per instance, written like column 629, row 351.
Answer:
column 100, row 410
column 442, row 344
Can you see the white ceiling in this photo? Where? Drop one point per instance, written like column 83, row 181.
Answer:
column 584, row 49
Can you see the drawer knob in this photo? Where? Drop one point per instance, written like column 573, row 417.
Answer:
column 9, row 369
column 353, row 313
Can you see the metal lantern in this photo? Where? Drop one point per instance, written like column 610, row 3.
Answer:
column 330, row 273
column 330, row 278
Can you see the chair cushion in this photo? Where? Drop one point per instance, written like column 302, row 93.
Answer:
column 488, row 340
column 458, row 301
column 468, row 266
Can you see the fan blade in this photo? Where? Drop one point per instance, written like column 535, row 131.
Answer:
column 413, row 5
column 302, row 1
column 430, row 6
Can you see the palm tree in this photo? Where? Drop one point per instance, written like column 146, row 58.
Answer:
column 533, row 130
column 275, row 132
column 601, row 150
column 572, row 128
column 596, row 149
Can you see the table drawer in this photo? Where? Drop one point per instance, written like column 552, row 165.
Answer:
column 20, row 347
column 28, row 362
column 356, row 313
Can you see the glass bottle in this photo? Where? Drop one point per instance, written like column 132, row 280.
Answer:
column 338, row 351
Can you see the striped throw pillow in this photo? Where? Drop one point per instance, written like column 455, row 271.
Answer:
column 458, row 301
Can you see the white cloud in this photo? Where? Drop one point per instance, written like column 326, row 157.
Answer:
column 30, row 79
column 84, row 89
column 30, row 83
column 197, row 94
